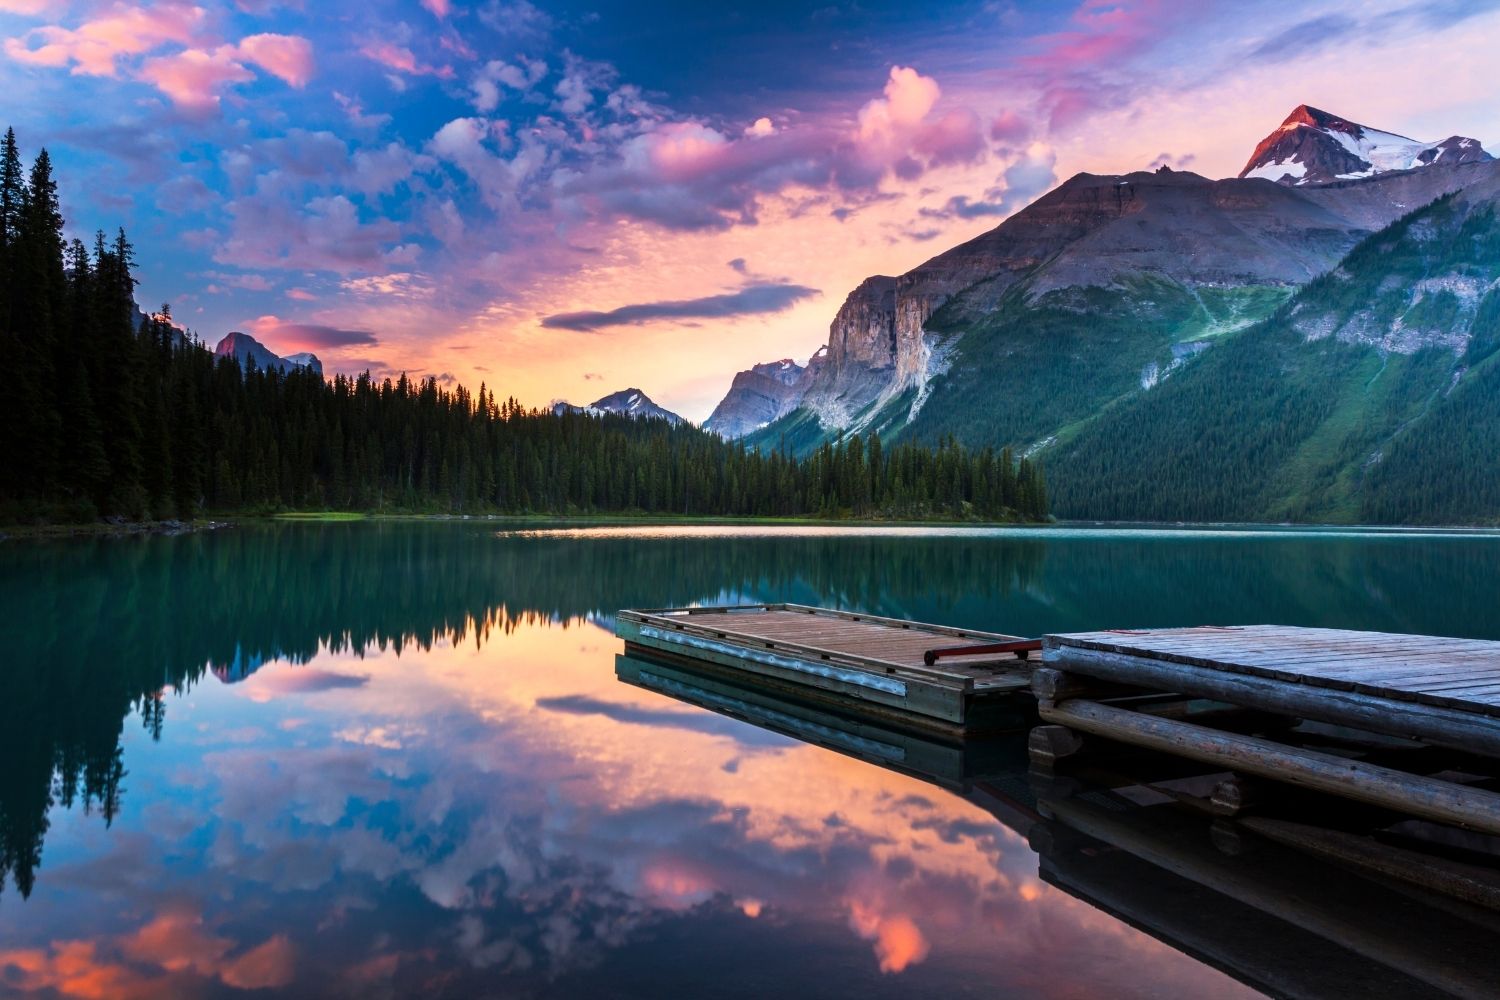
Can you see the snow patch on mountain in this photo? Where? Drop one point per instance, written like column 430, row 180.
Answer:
column 245, row 349
column 1313, row 147
column 627, row 402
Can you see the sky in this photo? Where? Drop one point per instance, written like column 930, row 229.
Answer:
column 560, row 200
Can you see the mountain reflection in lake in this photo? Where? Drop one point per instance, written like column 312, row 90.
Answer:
column 382, row 759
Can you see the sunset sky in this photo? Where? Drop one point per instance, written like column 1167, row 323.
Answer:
column 565, row 199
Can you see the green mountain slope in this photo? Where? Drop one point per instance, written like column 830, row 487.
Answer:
column 1031, row 370
column 1373, row 395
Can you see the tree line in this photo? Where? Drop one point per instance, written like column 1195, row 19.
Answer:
column 107, row 412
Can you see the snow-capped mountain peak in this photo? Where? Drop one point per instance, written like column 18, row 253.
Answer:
column 1313, row 146
column 627, row 402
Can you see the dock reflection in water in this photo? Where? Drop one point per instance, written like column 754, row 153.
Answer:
column 1273, row 918
column 395, row 759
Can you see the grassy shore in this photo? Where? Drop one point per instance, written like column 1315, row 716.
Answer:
column 111, row 528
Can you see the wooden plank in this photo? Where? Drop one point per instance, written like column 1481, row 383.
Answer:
column 1443, row 726
column 815, row 652
column 1269, row 638
column 1408, row 692
column 960, row 679
column 868, row 658
column 1429, row 798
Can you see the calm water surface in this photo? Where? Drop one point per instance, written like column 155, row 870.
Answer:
column 389, row 759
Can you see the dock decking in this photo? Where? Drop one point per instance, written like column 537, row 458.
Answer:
column 1443, row 692
column 867, row 658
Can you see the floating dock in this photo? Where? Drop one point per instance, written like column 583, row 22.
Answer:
column 957, row 681
column 1313, row 811
column 1232, row 696
column 1417, row 692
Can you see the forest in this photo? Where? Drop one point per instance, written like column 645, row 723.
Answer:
column 1272, row 424
column 109, row 413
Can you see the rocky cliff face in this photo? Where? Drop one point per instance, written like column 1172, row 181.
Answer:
column 1171, row 252
column 246, row 348
column 757, row 397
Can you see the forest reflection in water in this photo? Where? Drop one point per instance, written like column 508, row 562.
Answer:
column 452, row 654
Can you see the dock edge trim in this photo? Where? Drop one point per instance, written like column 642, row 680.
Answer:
column 860, row 678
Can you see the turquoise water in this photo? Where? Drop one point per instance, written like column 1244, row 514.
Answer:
column 393, row 758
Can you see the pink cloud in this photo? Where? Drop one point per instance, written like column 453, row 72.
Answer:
column 95, row 47
column 899, row 942
column 285, row 56
column 193, row 78
column 680, row 149
column 1009, row 127
column 439, row 8
column 402, row 59
column 265, row 966
column 956, row 137
column 325, row 234
column 687, row 175
column 908, row 97
column 176, row 940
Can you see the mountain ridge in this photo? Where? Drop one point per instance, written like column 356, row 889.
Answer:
column 631, row 402
column 1068, row 320
column 244, row 348
column 1172, row 243
column 1313, row 147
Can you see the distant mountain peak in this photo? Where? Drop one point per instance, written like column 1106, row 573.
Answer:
column 1313, row 146
column 245, row 348
column 630, row 402
column 757, row 396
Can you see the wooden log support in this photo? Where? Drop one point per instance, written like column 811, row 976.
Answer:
column 1415, row 795
column 1050, row 684
column 1349, row 918
column 1470, row 883
column 1441, row 726
column 1049, row 744
column 1233, row 796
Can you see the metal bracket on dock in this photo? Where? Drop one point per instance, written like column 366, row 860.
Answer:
column 1021, row 647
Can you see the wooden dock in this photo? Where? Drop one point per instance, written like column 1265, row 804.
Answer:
column 1285, row 922
column 884, row 665
column 1424, row 690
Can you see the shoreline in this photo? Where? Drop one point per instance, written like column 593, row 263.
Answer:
column 107, row 529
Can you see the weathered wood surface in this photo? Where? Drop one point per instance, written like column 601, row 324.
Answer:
column 1462, row 674
column 1448, row 725
column 863, row 657
column 884, row 642
column 1443, row 801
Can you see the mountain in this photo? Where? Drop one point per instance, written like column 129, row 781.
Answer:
column 756, row 397
column 1314, row 147
column 1077, row 298
column 246, row 349
column 1372, row 396
column 1086, row 303
column 627, row 402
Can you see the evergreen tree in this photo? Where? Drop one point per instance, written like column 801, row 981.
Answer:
column 110, row 413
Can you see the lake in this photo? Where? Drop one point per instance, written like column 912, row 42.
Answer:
column 392, row 758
